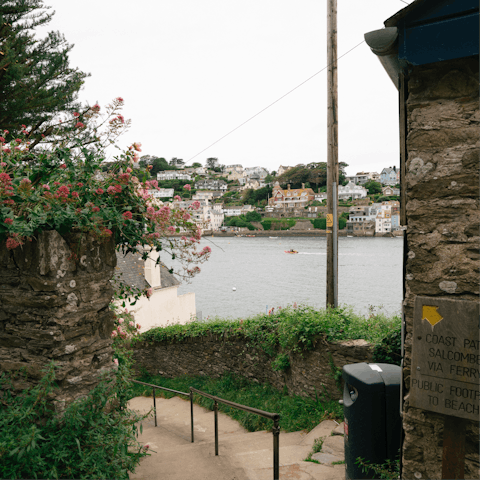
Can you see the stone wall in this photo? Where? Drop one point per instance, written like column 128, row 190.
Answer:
column 310, row 372
column 442, row 238
column 54, row 298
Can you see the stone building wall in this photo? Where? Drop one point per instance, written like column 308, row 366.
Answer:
column 442, row 238
column 54, row 298
column 310, row 372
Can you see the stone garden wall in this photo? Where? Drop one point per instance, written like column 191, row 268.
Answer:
column 442, row 239
column 309, row 373
column 54, row 297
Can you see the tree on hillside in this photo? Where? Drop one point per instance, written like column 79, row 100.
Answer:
column 313, row 173
column 196, row 165
column 177, row 162
column 373, row 187
column 212, row 163
column 36, row 81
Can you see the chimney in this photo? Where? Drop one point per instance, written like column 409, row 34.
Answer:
column 303, row 186
column 288, row 186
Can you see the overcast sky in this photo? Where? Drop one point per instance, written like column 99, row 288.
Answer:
column 190, row 71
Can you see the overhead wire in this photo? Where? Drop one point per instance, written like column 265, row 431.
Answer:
column 271, row 104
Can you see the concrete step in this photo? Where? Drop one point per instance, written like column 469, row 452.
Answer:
column 242, row 455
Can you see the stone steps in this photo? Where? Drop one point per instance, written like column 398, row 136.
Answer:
column 242, row 455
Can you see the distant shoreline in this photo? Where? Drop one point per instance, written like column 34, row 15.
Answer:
column 289, row 233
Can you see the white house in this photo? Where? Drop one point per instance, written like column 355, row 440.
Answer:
column 234, row 168
column 173, row 175
column 235, row 211
column 162, row 193
column 164, row 306
column 211, row 184
column 351, row 191
column 260, row 171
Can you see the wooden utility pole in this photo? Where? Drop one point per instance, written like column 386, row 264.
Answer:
column 332, row 156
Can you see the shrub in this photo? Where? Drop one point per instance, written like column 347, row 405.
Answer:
column 253, row 217
column 95, row 438
column 389, row 349
column 267, row 224
column 320, row 223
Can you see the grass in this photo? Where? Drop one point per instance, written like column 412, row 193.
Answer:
column 296, row 413
column 316, row 448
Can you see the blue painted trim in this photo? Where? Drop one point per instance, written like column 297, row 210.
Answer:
column 443, row 40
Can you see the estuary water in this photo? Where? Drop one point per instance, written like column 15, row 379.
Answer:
column 263, row 276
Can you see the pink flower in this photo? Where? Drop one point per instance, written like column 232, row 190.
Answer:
column 7, row 150
column 177, row 197
column 18, row 140
column 17, row 149
column 6, row 132
column 119, row 99
column 139, row 326
column 111, row 190
column 96, row 107
column 149, row 293
column 187, row 187
column 63, row 166
column 207, row 249
column 80, row 184
column 119, row 329
column 12, row 243
column 107, row 232
column 79, row 125
column 186, row 216
column 76, row 114
column 114, row 334
column 2, row 140
column 137, row 146
column 99, row 191
column 132, row 324
column 46, row 187
column 8, row 221
column 127, row 215
column 95, row 209
column 121, row 320
column 115, row 361
column 75, row 194
column 129, row 170
column 3, row 164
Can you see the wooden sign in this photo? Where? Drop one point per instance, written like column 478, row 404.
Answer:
column 329, row 220
column 446, row 357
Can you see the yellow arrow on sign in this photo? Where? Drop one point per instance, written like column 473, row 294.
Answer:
column 431, row 315
column 329, row 220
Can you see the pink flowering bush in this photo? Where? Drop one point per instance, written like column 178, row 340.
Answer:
column 59, row 185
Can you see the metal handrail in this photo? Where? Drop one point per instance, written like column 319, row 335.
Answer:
column 272, row 416
column 173, row 391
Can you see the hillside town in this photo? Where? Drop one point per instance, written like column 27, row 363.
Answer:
column 368, row 201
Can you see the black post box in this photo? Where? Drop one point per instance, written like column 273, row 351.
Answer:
column 371, row 406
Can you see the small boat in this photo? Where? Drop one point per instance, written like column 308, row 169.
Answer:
column 291, row 251
column 272, row 237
